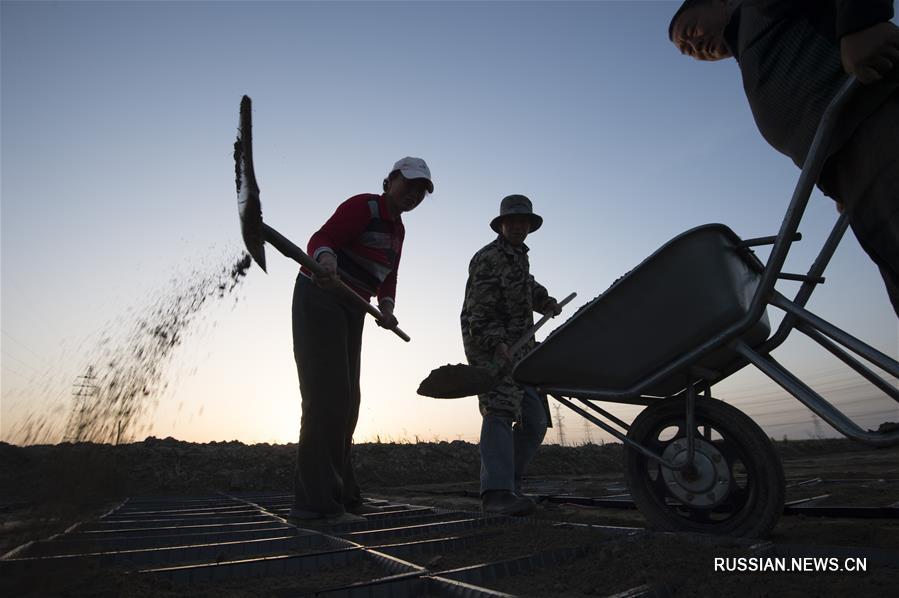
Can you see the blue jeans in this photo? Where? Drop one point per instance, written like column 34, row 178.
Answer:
column 507, row 450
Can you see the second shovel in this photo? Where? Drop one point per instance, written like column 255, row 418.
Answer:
column 460, row 380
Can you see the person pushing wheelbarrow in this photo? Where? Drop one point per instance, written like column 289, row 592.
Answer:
column 793, row 57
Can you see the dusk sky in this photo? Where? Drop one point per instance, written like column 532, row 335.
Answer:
column 118, row 121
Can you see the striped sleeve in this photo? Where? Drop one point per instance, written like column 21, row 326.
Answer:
column 346, row 224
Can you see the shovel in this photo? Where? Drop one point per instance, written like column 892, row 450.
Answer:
column 255, row 232
column 460, row 380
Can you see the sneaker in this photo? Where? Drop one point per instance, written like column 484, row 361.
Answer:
column 505, row 502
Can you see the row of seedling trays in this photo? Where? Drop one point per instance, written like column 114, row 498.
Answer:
column 241, row 545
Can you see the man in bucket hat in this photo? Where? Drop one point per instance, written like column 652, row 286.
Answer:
column 360, row 244
column 500, row 299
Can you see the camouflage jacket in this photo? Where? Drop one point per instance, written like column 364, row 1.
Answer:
column 500, row 299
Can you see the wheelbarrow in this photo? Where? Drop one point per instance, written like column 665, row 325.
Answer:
column 690, row 315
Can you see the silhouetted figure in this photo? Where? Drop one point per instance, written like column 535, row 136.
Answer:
column 500, row 299
column 364, row 239
column 793, row 56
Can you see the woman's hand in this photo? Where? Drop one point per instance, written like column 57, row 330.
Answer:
column 387, row 320
column 328, row 263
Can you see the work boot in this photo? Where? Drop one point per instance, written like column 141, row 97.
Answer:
column 345, row 517
column 361, row 508
column 529, row 499
column 303, row 518
column 505, row 502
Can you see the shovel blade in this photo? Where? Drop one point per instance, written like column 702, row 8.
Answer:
column 457, row 381
column 249, row 207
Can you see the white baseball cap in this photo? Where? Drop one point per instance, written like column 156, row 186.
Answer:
column 414, row 168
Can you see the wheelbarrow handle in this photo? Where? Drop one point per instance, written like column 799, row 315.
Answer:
column 289, row 249
column 533, row 329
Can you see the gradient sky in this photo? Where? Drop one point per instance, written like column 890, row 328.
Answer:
column 118, row 120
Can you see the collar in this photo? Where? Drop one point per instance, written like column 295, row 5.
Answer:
column 386, row 214
column 509, row 248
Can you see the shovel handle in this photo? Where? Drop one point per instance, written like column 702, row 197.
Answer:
column 533, row 329
column 289, row 249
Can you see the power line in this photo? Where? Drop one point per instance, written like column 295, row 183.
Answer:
column 796, row 405
column 24, row 346
column 18, row 359
column 774, row 396
column 17, row 373
column 807, row 421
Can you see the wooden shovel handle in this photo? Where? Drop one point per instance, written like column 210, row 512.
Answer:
column 289, row 249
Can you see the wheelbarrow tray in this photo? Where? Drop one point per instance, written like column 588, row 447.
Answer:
column 681, row 296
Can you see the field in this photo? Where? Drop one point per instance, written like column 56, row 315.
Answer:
column 45, row 489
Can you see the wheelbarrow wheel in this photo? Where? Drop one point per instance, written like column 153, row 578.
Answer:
column 736, row 486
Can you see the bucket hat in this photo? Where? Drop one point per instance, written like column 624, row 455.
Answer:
column 513, row 205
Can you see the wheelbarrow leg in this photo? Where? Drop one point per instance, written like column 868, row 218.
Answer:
column 691, row 424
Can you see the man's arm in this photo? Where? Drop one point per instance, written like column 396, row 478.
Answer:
column 871, row 54
column 869, row 42
column 483, row 302
column 541, row 300
column 852, row 16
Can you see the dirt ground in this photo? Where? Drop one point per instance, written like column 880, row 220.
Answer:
column 848, row 476
column 684, row 565
column 45, row 489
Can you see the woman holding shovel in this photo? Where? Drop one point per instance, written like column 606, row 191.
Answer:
column 360, row 245
column 500, row 298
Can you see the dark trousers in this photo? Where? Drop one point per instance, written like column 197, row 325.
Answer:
column 864, row 176
column 327, row 345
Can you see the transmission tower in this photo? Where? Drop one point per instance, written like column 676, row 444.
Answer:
column 84, row 390
column 816, row 424
column 588, row 436
column 559, row 425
